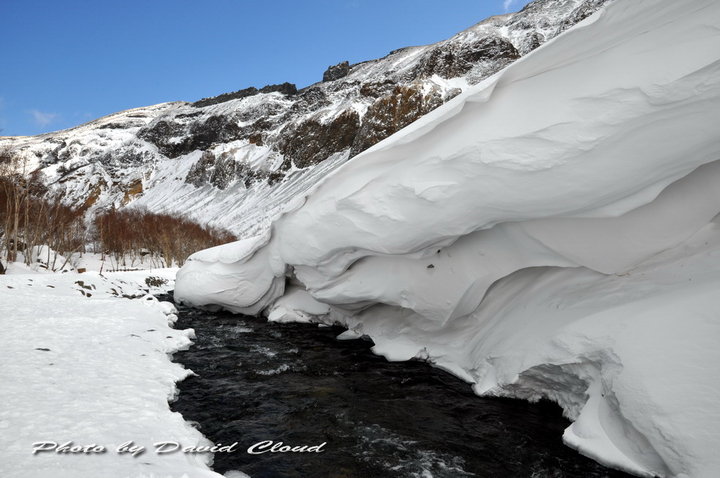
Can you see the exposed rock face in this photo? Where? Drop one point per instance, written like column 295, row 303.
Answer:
column 251, row 138
column 530, row 42
column 335, row 72
column 194, row 136
column 284, row 88
column 376, row 89
column 392, row 112
column 311, row 141
column 580, row 13
column 217, row 171
column 235, row 95
column 451, row 61
column 201, row 172
column 222, row 170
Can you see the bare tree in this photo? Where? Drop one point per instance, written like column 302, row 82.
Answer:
column 168, row 240
column 9, row 200
column 29, row 218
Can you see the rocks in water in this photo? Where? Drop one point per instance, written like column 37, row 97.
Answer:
column 336, row 72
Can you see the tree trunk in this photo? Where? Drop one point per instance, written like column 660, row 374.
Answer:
column 16, row 226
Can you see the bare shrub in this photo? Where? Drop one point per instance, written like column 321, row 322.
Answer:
column 168, row 238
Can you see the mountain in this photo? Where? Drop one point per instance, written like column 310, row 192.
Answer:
column 234, row 160
column 551, row 232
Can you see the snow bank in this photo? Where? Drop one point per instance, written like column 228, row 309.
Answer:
column 547, row 233
column 81, row 363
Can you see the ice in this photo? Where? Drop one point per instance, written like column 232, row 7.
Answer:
column 551, row 232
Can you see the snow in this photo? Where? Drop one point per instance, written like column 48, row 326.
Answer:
column 83, row 364
column 550, row 232
column 297, row 305
column 45, row 260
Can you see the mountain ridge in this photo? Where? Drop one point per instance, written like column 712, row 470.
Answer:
column 228, row 151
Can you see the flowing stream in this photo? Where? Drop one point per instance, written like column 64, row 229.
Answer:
column 297, row 384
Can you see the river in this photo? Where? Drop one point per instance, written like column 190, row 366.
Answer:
column 295, row 383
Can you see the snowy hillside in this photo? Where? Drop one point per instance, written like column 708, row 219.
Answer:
column 235, row 159
column 550, row 232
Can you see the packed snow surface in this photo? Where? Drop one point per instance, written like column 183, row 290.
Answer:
column 551, row 232
column 83, row 364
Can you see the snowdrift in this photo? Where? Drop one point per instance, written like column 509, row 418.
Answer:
column 551, row 232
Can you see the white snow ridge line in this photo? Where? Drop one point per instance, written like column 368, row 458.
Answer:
column 551, row 232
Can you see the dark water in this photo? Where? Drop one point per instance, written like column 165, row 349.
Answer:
column 297, row 384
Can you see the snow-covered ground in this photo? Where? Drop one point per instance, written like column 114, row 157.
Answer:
column 552, row 231
column 83, row 364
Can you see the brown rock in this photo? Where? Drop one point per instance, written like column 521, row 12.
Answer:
column 393, row 112
column 336, row 72
column 311, row 141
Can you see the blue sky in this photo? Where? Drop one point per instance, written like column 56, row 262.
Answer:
column 65, row 62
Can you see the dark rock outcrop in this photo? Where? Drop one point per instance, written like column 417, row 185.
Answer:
column 284, row 88
column 376, row 89
column 311, row 141
column 457, row 60
column 244, row 93
column 174, row 139
column 335, row 72
column 310, row 99
column 223, row 170
column 392, row 112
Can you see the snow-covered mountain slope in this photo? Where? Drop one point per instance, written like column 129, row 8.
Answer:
column 233, row 160
column 551, row 232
